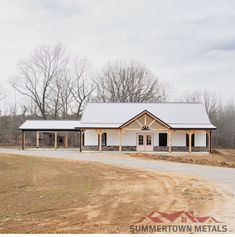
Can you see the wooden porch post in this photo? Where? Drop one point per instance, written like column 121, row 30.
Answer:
column 56, row 140
column 80, row 140
column 170, row 140
column 210, row 141
column 37, row 139
column 120, row 140
column 66, row 140
column 100, row 140
column 190, row 142
column 23, row 139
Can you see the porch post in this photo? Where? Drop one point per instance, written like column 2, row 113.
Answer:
column 23, row 140
column 210, row 141
column 190, row 141
column 80, row 140
column 120, row 140
column 170, row 140
column 37, row 139
column 66, row 140
column 100, row 140
column 56, row 140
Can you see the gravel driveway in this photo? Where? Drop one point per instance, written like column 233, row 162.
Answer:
column 223, row 176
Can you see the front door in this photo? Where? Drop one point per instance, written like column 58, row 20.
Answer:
column 145, row 142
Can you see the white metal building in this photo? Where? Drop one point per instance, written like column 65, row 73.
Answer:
column 137, row 127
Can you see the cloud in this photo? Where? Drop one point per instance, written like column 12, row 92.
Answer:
column 187, row 43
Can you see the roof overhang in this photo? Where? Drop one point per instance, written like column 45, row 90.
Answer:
column 197, row 126
column 49, row 125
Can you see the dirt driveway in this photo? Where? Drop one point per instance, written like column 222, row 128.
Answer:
column 220, row 175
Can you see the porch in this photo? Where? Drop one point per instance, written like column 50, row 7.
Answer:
column 50, row 134
column 136, row 140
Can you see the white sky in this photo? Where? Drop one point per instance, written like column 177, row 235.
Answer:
column 189, row 43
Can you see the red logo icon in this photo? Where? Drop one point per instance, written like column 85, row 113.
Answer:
column 180, row 217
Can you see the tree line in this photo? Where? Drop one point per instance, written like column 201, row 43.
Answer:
column 55, row 85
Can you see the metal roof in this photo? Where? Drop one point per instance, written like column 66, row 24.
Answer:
column 114, row 115
column 176, row 115
column 50, row 125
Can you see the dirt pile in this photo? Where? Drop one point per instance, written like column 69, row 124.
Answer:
column 218, row 158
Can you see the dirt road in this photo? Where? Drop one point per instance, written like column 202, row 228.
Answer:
column 223, row 176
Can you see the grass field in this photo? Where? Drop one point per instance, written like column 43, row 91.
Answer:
column 41, row 195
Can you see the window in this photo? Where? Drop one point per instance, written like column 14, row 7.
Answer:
column 192, row 142
column 148, row 140
column 104, row 139
column 141, row 140
column 162, row 139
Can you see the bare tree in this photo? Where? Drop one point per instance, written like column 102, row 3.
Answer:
column 131, row 82
column 82, row 87
column 66, row 96
column 166, row 91
column 224, row 137
column 38, row 73
column 211, row 104
column 54, row 98
column 192, row 97
column 61, row 96
column 208, row 98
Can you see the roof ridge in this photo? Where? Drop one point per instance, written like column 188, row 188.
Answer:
column 52, row 120
column 173, row 102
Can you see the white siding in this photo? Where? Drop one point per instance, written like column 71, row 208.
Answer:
column 156, row 139
column 200, row 138
column 179, row 139
column 91, row 138
column 129, row 138
column 112, row 137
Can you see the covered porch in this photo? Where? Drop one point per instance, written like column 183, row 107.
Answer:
column 50, row 134
column 154, row 140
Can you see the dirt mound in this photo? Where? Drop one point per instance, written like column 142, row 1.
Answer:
column 216, row 159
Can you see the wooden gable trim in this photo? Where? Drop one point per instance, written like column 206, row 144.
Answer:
column 138, row 122
column 144, row 113
column 152, row 122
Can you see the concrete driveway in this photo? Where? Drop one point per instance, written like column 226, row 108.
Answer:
column 220, row 175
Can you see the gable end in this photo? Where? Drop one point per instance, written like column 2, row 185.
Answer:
column 142, row 113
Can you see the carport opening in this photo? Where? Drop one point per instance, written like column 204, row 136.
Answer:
column 48, row 139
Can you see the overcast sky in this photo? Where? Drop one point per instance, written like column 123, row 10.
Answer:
column 189, row 43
